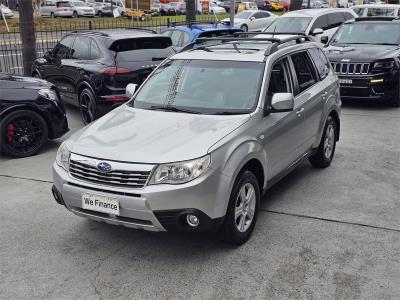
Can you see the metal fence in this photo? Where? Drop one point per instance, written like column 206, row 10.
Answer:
column 49, row 33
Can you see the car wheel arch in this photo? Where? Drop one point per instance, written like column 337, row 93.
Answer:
column 83, row 85
column 31, row 108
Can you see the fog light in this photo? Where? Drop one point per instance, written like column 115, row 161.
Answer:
column 192, row 220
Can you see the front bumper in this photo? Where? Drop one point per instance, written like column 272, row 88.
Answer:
column 64, row 14
column 381, row 86
column 154, row 207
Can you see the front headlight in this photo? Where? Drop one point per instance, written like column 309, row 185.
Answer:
column 48, row 94
column 62, row 157
column 180, row 172
column 383, row 65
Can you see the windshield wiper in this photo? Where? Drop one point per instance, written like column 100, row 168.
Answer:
column 173, row 108
column 231, row 113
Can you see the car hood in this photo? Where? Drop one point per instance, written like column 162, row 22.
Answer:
column 361, row 53
column 149, row 136
column 19, row 82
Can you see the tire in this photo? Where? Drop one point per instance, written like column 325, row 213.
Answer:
column 143, row 18
column 75, row 14
column 100, row 13
column 122, row 14
column 244, row 28
column 23, row 133
column 36, row 75
column 87, row 106
column 326, row 149
column 52, row 15
column 238, row 227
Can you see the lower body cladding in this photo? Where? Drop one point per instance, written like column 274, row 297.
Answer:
column 195, row 206
column 381, row 87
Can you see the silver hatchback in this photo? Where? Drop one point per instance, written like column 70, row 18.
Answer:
column 206, row 134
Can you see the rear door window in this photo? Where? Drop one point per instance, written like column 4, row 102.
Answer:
column 320, row 61
column 95, row 52
column 304, row 70
column 80, row 50
column 348, row 16
column 143, row 49
column 359, row 11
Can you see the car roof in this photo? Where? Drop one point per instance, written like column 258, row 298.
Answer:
column 313, row 12
column 198, row 28
column 378, row 5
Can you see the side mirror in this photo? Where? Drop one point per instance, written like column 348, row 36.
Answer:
column 252, row 18
column 130, row 90
column 282, row 102
column 324, row 39
column 48, row 55
column 317, row 31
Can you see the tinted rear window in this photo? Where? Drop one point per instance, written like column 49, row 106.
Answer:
column 143, row 49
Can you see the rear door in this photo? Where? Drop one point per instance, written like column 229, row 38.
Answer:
column 138, row 57
column 310, row 95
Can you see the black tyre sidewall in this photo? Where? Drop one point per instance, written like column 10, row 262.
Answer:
column 244, row 28
column 229, row 232
column 92, row 97
column 4, row 144
column 318, row 159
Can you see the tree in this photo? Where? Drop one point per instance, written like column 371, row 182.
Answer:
column 190, row 10
column 27, row 33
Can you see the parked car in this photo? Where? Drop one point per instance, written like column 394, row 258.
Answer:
column 252, row 20
column 92, row 68
column 276, row 6
column 377, row 10
column 102, row 9
column 31, row 112
column 203, row 138
column 247, row 5
column 167, row 10
column 215, row 9
column 227, row 5
column 81, row 9
column 6, row 12
column 285, row 4
column 179, row 7
column 314, row 4
column 365, row 55
column 53, row 9
column 314, row 22
column 136, row 14
column 185, row 34
column 155, row 8
column 263, row 4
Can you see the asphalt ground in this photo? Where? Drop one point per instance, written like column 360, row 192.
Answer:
column 321, row 234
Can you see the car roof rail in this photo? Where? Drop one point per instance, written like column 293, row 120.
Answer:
column 140, row 29
column 90, row 32
column 381, row 18
column 275, row 42
column 270, row 33
column 189, row 24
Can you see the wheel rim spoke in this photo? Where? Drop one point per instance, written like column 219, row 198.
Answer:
column 245, row 207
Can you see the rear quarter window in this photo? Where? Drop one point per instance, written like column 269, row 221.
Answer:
column 143, row 49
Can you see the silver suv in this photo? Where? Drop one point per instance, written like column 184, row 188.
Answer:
column 205, row 135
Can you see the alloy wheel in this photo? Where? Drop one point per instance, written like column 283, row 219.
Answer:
column 245, row 207
column 329, row 141
column 87, row 108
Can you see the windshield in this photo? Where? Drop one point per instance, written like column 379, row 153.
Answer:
column 202, row 86
column 365, row 33
column 289, row 24
column 243, row 15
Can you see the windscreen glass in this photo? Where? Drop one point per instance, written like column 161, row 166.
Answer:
column 289, row 24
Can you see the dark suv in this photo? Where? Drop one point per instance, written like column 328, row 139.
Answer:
column 93, row 68
column 365, row 55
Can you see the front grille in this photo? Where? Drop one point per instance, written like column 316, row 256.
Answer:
column 350, row 68
column 119, row 178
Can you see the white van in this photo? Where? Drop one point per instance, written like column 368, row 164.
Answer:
column 377, row 10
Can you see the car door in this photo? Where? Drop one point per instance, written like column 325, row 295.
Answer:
column 51, row 68
column 76, row 66
column 310, row 96
column 282, row 133
column 262, row 19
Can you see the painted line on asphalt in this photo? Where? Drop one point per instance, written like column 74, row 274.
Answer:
column 26, row 178
column 330, row 220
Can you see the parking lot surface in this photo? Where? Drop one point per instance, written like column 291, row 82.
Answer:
column 321, row 234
